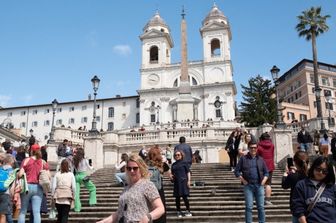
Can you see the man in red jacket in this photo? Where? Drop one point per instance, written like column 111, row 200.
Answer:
column 266, row 151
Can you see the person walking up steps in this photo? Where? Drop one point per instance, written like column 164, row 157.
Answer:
column 81, row 165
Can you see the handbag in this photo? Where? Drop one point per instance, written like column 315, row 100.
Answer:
column 316, row 197
column 44, row 179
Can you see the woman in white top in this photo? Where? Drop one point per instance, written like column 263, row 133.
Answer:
column 63, row 191
column 324, row 145
column 121, row 176
column 243, row 148
column 81, row 165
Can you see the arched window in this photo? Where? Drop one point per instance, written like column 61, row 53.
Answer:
column 154, row 54
column 215, row 48
column 193, row 82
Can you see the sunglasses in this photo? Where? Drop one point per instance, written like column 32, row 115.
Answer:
column 177, row 154
column 321, row 170
column 134, row 168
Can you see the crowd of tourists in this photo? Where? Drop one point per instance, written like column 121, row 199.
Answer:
column 25, row 182
column 143, row 199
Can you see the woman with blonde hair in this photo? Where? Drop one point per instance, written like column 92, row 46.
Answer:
column 140, row 201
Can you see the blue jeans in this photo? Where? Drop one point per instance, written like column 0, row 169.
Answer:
column 304, row 147
column 251, row 191
column 34, row 194
column 120, row 177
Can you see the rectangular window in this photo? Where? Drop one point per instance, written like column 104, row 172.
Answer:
column 303, row 117
column 312, row 78
column 325, row 81
column 138, row 103
column 59, row 122
column 290, row 116
column 84, row 119
column 71, row 109
column 152, row 118
column 327, row 93
column 23, row 113
column 22, row 125
column 71, row 121
column 329, row 106
column 34, row 124
column 111, row 112
column 46, row 123
column 110, row 126
column 98, row 106
column 9, row 114
column 218, row 113
column 46, row 111
column 98, row 118
column 59, row 110
column 84, row 107
column 34, row 112
column 137, row 118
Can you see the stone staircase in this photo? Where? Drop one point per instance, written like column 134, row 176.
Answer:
column 221, row 199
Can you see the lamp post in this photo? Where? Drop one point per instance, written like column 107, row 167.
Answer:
column 330, row 101
column 157, row 114
column 54, row 104
column 219, row 104
column 95, row 83
column 319, row 109
column 275, row 71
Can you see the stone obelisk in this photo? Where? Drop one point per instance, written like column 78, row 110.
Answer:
column 185, row 101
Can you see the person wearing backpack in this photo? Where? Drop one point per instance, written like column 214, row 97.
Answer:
column 156, row 168
column 32, row 167
column 181, row 178
column 6, row 170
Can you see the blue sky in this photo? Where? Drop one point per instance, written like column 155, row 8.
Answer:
column 52, row 49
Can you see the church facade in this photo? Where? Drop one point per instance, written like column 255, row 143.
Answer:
column 190, row 94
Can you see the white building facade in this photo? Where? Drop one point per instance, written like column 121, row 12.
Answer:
column 152, row 116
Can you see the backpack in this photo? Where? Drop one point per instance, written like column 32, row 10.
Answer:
column 155, row 177
column 4, row 175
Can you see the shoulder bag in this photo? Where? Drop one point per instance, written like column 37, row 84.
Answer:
column 316, row 197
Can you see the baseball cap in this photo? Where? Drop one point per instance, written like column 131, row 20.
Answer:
column 35, row 147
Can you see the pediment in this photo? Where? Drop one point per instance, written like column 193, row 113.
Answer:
column 214, row 25
column 156, row 34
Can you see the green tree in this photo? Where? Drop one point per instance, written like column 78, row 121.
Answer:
column 259, row 102
column 312, row 24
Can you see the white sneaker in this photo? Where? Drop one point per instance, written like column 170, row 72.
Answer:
column 179, row 214
column 187, row 214
column 268, row 203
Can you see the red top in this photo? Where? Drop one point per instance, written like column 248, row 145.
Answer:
column 266, row 151
column 32, row 168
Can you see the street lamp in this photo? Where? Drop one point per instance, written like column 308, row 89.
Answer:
column 54, row 104
column 330, row 101
column 219, row 104
column 157, row 114
column 95, row 83
column 275, row 71
column 318, row 105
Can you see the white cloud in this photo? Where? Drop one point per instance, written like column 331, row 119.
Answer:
column 123, row 50
column 4, row 100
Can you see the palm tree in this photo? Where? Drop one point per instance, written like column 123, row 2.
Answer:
column 311, row 24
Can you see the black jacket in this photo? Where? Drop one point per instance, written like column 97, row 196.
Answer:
column 290, row 182
column 304, row 138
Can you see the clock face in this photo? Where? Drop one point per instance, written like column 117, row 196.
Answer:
column 153, row 79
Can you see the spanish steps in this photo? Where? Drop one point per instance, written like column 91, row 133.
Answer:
column 220, row 199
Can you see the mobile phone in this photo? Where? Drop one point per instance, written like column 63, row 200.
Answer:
column 290, row 162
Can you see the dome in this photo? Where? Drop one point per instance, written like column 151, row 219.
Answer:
column 156, row 21
column 214, row 14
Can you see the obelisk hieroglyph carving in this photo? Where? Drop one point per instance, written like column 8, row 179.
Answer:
column 185, row 102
